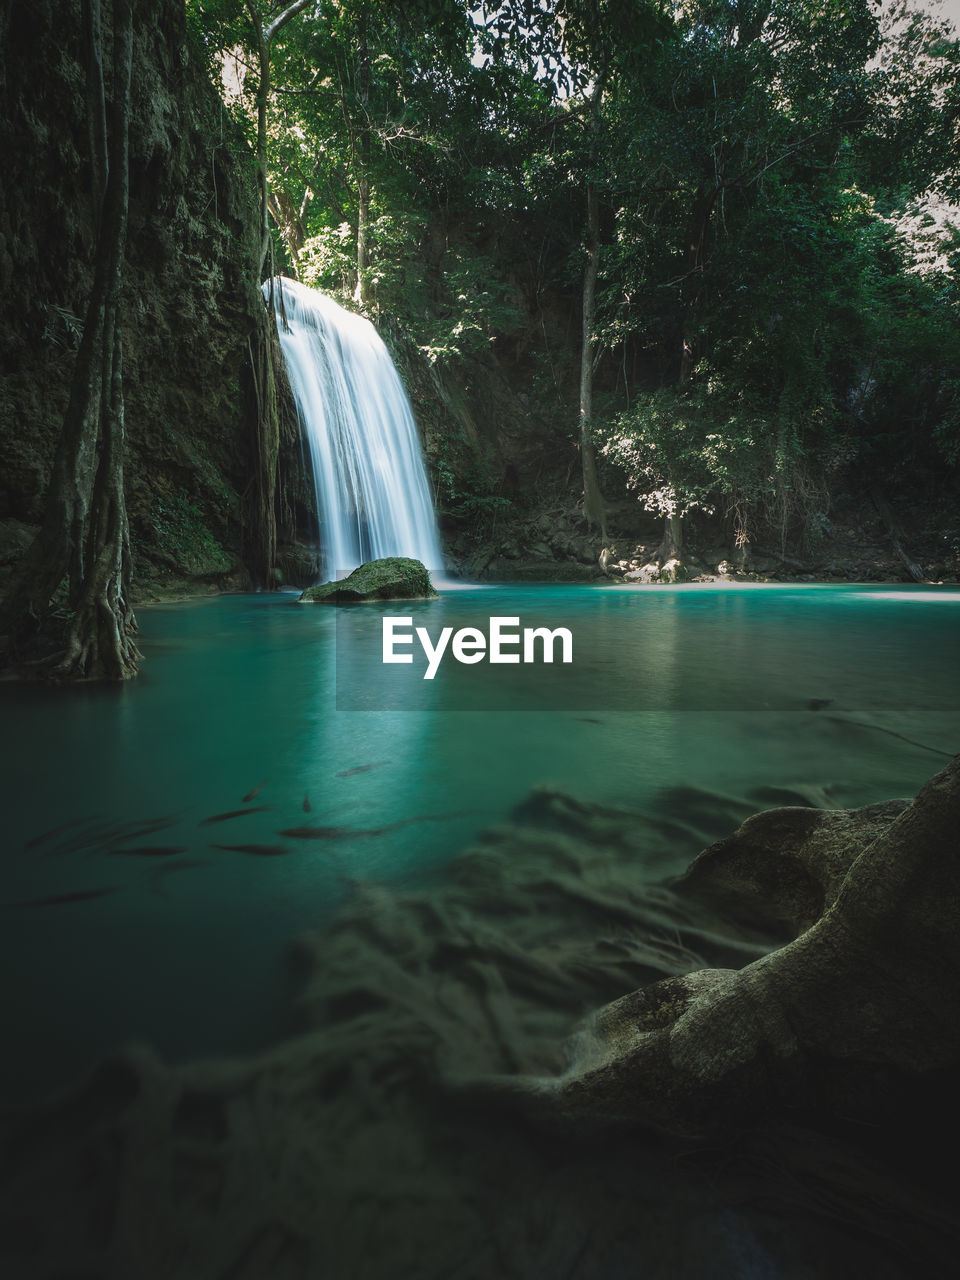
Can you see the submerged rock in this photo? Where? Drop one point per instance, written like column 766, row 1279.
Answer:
column 395, row 578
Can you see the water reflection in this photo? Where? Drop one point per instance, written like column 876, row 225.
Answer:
column 241, row 692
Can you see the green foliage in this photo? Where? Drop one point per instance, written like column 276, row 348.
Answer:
column 468, row 307
column 765, row 171
column 328, row 259
column 464, row 487
column 909, row 402
column 752, row 230
column 682, row 451
column 477, row 308
column 180, row 533
column 471, row 500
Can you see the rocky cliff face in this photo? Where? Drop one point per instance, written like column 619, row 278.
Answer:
column 191, row 299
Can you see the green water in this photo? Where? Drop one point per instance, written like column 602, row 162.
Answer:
column 711, row 688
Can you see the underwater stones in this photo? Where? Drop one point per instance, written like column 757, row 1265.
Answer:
column 394, row 578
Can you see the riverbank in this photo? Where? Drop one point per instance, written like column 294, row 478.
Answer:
column 862, row 539
column 551, row 544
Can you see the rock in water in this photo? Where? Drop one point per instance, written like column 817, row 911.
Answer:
column 395, row 578
column 673, row 571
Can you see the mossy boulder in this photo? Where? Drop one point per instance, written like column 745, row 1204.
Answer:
column 394, row 578
column 673, row 571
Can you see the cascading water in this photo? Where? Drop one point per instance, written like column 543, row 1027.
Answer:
column 371, row 486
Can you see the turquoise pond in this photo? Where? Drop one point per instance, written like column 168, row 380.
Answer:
column 850, row 690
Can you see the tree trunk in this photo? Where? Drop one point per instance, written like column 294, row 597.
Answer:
column 291, row 222
column 262, row 363
column 895, row 533
column 96, row 101
column 263, row 359
column 262, row 552
column 593, row 507
column 672, row 546
column 99, row 643
column 84, row 535
column 263, row 39
column 263, row 93
column 362, row 294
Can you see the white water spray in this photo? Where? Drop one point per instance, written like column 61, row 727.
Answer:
column 371, row 486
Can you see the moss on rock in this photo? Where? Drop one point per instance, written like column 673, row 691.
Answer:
column 394, row 578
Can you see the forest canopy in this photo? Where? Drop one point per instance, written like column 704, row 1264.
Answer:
column 767, row 191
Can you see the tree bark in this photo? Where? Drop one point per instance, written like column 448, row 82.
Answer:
column 263, row 37
column 593, row 506
column 99, row 640
column 263, row 358
column 363, row 181
column 96, row 101
column 856, row 1017
column 263, row 92
column 84, row 536
column 263, row 363
column 290, row 221
column 672, row 546
column 895, row 533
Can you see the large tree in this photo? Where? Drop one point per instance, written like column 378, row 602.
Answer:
column 266, row 20
column 242, row 39
column 753, row 279
column 589, row 51
column 86, row 631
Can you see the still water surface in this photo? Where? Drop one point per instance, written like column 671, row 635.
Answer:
column 850, row 690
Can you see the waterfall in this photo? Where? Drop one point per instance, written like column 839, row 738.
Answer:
column 372, row 494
